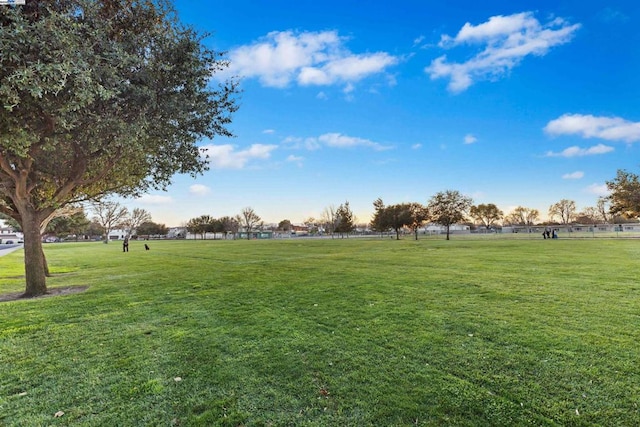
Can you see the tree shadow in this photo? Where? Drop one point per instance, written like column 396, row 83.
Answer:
column 52, row 292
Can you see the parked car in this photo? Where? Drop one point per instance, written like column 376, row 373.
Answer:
column 9, row 242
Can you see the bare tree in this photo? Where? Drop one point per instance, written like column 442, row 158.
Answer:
column 249, row 219
column 565, row 209
column 522, row 216
column 603, row 209
column 328, row 219
column 132, row 221
column 589, row 215
column 108, row 214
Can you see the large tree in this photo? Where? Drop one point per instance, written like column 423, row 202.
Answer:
column 397, row 217
column 109, row 214
column 522, row 216
column 150, row 228
column 486, row 214
column 134, row 219
column 249, row 219
column 419, row 214
column 201, row 225
column 229, row 225
column 379, row 221
column 624, row 195
column 448, row 207
column 345, row 221
column 99, row 97
column 565, row 210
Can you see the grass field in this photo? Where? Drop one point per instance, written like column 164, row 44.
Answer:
column 353, row 332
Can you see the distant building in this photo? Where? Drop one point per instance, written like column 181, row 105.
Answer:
column 441, row 229
column 8, row 234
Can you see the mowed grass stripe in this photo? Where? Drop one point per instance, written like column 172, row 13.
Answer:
column 327, row 332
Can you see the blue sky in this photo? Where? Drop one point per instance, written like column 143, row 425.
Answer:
column 517, row 103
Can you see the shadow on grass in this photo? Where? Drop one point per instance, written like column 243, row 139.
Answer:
column 52, row 292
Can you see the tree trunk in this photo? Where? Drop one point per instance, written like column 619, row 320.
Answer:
column 47, row 273
column 448, row 232
column 34, row 261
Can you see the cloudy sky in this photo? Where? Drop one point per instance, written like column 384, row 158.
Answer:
column 509, row 102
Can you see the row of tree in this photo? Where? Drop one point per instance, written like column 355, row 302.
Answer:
column 72, row 221
column 248, row 220
column 340, row 220
column 450, row 207
column 445, row 208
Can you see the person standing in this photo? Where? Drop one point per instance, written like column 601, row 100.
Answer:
column 125, row 245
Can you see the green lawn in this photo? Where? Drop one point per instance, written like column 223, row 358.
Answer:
column 353, row 332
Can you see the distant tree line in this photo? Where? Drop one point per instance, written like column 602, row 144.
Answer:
column 451, row 207
column 72, row 222
column 445, row 208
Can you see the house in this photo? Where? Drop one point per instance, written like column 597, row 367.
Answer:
column 177, row 233
column 118, row 234
column 574, row 228
column 8, row 234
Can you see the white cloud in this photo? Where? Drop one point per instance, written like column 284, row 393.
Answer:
column 573, row 175
column 295, row 142
column 350, row 68
column 507, row 40
column 227, row 157
column 333, row 140
column 338, row 140
column 576, row 151
column 199, row 190
column 588, row 126
column 322, row 95
column 597, row 189
column 295, row 159
column 416, row 146
column 268, row 131
column 470, row 139
column 154, row 199
column 309, row 58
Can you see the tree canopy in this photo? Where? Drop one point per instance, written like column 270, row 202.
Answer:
column 448, row 207
column 99, row 97
column 486, row 214
column 344, row 220
column 396, row 217
column 625, row 194
column 564, row 209
column 522, row 216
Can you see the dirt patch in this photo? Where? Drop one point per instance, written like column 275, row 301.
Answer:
column 51, row 292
